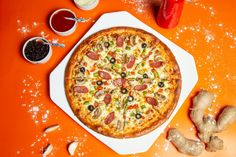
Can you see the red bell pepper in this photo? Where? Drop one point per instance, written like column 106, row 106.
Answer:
column 169, row 13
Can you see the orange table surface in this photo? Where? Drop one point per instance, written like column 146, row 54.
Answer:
column 207, row 30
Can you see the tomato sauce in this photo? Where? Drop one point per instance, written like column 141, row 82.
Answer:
column 60, row 24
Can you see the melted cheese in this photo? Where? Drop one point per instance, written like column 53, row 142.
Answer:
column 117, row 101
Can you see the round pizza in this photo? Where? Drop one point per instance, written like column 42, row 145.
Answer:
column 122, row 82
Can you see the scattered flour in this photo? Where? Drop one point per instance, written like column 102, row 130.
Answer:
column 26, row 29
column 140, row 7
column 166, row 145
column 30, row 99
column 211, row 58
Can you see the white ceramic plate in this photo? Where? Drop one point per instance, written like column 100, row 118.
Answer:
column 131, row 145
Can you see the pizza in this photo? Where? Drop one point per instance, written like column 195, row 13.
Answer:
column 122, row 82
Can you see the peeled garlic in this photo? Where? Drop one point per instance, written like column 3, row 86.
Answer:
column 72, row 147
column 51, row 128
column 47, row 150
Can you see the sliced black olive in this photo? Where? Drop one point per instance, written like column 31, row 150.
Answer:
column 138, row 116
column 145, row 76
column 107, row 44
column 112, row 60
column 99, row 82
column 144, row 45
column 123, row 74
column 91, row 108
column 161, row 84
column 82, row 69
column 130, row 98
column 124, row 90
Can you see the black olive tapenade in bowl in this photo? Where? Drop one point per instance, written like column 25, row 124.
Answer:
column 36, row 50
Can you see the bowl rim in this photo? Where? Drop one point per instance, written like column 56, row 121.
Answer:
column 55, row 12
column 87, row 7
column 45, row 59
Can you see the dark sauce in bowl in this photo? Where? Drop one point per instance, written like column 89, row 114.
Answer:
column 60, row 24
column 36, row 51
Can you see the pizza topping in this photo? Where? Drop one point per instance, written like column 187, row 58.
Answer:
column 112, row 60
column 107, row 99
column 100, row 47
column 112, row 54
column 161, row 97
column 80, row 79
column 90, row 108
column 119, row 82
column 99, row 82
column 81, row 89
column 106, row 44
column 140, row 87
column 119, row 41
column 145, row 76
column 146, row 56
column 138, row 116
column 82, row 69
column 92, row 55
column 124, row 91
column 120, row 125
column 97, row 112
column 135, row 106
column 144, row 45
column 152, row 101
column 110, row 117
column 161, row 84
column 131, row 61
column 99, row 93
column 147, row 80
column 155, row 64
column 123, row 74
column 134, row 40
column 130, row 98
column 104, row 75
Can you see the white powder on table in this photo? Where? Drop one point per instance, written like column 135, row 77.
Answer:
column 30, row 99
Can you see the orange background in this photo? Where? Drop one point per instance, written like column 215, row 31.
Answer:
column 207, row 30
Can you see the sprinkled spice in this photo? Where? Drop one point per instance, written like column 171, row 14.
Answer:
column 36, row 51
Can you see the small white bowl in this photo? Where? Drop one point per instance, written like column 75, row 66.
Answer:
column 65, row 33
column 45, row 59
column 89, row 6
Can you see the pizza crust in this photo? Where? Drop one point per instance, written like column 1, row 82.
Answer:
column 81, row 51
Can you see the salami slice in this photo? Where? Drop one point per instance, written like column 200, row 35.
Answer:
column 155, row 64
column 104, row 75
column 92, row 55
column 110, row 117
column 152, row 101
column 81, row 89
column 119, row 41
column 131, row 62
column 119, row 82
column 107, row 99
column 140, row 87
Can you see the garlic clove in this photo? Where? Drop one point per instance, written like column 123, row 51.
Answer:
column 47, row 150
column 72, row 147
column 51, row 128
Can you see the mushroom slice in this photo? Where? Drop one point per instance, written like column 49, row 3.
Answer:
column 120, row 125
column 97, row 112
column 147, row 80
column 72, row 147
column 99, row 93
